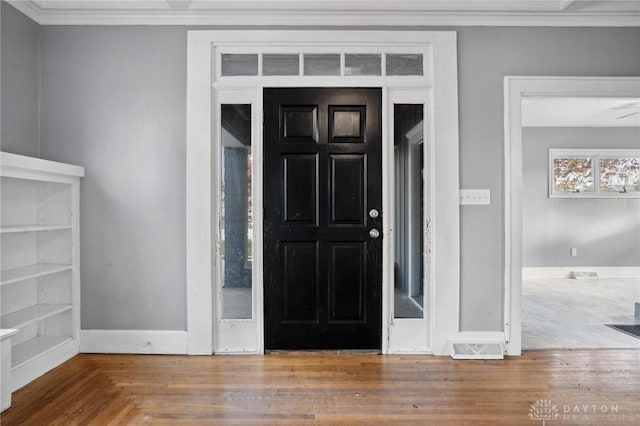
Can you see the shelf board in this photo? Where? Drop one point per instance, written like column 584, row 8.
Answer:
column 13, row 229
column 9, row 276
column 34, row 348
column 19, row 319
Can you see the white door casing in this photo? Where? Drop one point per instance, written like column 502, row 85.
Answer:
column 437, row 90
column 516, row 88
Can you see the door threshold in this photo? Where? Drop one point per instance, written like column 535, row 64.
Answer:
column 324, row 352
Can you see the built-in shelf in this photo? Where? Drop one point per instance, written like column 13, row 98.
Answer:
column 34, row 348
column 39, row 277
column 19, row 319
column 14, row 229
column 9, row 276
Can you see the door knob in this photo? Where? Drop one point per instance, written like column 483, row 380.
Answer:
column 374, row 233
column 373, row 213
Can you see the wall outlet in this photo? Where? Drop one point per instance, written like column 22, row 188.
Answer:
column 475, row 196
column 574, row 251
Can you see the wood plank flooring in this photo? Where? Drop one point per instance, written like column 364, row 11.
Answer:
column 332, row 388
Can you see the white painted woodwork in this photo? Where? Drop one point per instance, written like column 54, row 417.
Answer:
column 340, row 13
column 5, row 367
column 436, row 89
column 408, row 335
column 39, row 276
column 515, row 90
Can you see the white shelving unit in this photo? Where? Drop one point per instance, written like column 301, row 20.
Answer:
column 39, row 269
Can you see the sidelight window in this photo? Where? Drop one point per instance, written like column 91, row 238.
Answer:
column 236, row 215
column 409, row 211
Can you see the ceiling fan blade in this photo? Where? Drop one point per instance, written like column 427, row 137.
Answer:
column 627, row 115
column 633, row 105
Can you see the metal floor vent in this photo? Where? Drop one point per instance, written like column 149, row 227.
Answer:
column 582, row 274
column 467, row 350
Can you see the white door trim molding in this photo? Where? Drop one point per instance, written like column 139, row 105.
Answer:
column 439, row 84
column 515, row 88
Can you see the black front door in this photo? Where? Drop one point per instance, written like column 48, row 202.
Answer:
column 322, row 177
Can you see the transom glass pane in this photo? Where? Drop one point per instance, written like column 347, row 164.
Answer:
column 236, row 213
column 321, row 64
column 409, row 210
column 277, row 64
column 620, row 175
column 573, row 174
column 404, row 64
column 234, row 64
column 362, row 64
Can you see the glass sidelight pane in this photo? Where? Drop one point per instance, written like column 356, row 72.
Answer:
column 409, row 211
column 236, row 215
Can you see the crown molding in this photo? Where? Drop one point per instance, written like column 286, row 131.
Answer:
column 245, row 13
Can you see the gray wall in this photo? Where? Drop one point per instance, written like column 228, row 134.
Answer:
column 114, row 101
column 485, row 56
column 606, row 232
column 20, row 82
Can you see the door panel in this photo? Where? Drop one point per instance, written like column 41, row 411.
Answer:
column 322, row 174
column 300, row 183
column 347, row 281
column 348, row 180
column 300, row 295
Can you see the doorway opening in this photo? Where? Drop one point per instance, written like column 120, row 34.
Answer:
column 581, row 221
column 570, row 180
column 230, row 74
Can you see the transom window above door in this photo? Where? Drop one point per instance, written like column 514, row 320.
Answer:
column 322, row 63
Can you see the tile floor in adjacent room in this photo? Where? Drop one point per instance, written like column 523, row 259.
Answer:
column 571, row 313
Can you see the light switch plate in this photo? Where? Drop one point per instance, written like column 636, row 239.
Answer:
column 475, row 197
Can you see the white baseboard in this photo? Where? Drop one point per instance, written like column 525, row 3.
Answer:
column 159, row 342
column 564, row 271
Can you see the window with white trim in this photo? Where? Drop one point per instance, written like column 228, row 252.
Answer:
column 594, row 173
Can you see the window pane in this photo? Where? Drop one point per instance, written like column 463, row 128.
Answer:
column 239, row 64
column 573, row 175
column 620, row 175
column 321, row 64
column 280, row 64
column 404, row 64
column 364, row 64
column 236, row 215
column 409, row 209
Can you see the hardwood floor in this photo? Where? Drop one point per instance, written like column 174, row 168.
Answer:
column 330, row 387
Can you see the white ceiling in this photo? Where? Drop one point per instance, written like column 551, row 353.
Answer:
column 333, row 12
column 580, row 112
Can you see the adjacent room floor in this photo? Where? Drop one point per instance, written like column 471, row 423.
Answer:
column 572, row 313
